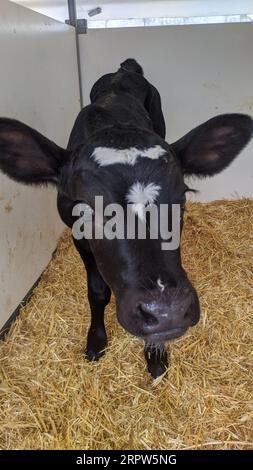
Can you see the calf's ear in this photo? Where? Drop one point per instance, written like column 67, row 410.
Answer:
column 154, row 107
column 212, row 146
column 27, row 156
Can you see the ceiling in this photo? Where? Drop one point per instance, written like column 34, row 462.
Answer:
column 58, row 9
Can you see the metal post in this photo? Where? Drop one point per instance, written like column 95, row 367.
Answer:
column 72, row 12
column 80, row 28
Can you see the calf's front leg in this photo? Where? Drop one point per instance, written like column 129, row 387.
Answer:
column 157, row 359
column 99, row 295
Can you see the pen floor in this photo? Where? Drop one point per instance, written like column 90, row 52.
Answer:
column 51, row 397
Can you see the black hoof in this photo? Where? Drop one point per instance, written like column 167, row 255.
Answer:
column 92, row 355
column 156, row 370
column 157, row 361
column 95, row 347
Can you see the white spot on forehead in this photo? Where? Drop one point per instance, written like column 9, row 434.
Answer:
column 141, row 196
column 109, row 156
column 160, row 284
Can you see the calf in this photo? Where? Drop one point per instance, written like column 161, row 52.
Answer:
column 117, row 150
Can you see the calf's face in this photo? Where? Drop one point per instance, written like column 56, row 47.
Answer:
column 155, row 300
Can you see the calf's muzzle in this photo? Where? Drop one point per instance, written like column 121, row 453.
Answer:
column 157, row 317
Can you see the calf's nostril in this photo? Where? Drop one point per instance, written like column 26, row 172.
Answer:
column 149, row 319
column 146, row 316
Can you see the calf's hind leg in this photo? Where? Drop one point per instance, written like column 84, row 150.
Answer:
column 99, row 295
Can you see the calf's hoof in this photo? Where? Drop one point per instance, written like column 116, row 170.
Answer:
column 157, row 361
column 95, row 347
column 93, row 355
column 156, row 370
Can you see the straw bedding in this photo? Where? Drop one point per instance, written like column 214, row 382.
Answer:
column 52, row 398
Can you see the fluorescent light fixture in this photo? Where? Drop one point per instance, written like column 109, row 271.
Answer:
column 95, row 11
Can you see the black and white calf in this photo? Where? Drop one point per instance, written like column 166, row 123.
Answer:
column 117, row 150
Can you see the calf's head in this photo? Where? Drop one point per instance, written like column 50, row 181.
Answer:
column 155, row 300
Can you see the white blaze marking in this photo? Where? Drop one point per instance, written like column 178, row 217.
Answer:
column 109, row 156
column 160, row 284
column 141, row 196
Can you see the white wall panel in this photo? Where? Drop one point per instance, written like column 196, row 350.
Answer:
column 200, row 71
column 39, row 86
